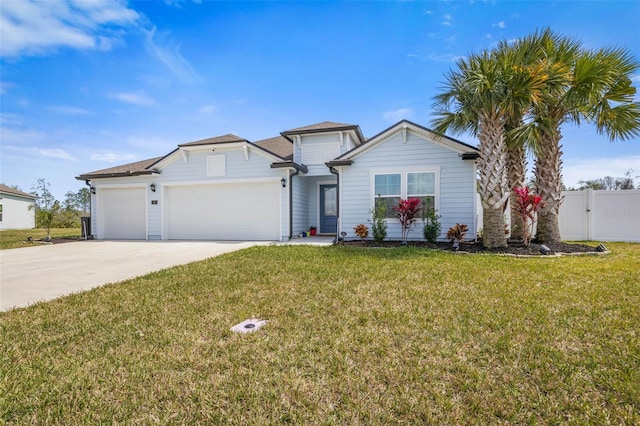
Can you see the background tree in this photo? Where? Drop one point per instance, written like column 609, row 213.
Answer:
column 83, row 199
column 46, row 206
column 609, row 183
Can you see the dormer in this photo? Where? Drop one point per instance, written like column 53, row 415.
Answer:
column 317, row 144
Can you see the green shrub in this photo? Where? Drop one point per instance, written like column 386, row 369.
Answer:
column 379, row 222
column 432, row 226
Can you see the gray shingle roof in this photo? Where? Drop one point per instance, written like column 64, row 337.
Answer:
column 229, row 138
column 280, row 146
column 319, row 127
column 139, row 167
column 8, row 190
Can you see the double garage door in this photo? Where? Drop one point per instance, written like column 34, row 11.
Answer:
column 241, row 211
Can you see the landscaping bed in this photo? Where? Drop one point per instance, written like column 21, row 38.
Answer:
column 514, row 248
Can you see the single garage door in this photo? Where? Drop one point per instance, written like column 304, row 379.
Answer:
column 240, row 211
column 124, row 214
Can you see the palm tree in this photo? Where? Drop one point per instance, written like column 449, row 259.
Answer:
column 480, row 97
column 596, row 88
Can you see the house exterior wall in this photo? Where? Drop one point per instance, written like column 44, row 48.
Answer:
column 300, row 204
column 455, row 183
column 178, row 172
column 16, row 212
column 340, row 141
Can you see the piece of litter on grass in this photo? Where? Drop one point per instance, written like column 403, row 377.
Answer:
column 247, row 326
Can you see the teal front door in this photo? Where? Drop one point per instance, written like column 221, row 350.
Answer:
column 328, row 209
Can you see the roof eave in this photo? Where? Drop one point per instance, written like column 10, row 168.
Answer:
column 470, row 155
column 336, row 163
column 120, row 174
column 290, row 165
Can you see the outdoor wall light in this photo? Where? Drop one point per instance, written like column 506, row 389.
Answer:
column 153, row 187
column 283, row 182
column 93, row 189
column 544, row 249
column 601, row 248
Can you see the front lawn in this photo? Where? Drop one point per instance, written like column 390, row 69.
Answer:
column 355, row 336
column 15, row 238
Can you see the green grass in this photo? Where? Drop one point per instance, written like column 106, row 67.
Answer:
column 15, row 238
column 355, row 336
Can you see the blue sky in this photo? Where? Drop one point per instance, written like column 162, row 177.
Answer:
column 90, row 85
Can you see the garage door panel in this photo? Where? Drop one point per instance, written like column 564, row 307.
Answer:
column 247, row 211
column 124, row 214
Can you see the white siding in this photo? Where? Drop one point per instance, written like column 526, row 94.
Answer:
column 456, row 183
column 16, row 212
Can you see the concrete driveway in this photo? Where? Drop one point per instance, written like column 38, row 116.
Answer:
column 32, row 274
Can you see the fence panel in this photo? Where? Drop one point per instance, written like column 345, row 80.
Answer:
column 600, row 215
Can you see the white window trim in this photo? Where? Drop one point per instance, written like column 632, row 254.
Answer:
column 404, row 181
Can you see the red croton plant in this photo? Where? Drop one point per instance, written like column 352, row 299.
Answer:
column 527, row 206
column 407, row 211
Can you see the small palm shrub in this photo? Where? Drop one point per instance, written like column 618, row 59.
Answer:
column 362, row 231
column 456, row 233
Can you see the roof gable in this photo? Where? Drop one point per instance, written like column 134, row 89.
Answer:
column 228, row 138
column 406, row 125
column 12, row 191
column 326, row 127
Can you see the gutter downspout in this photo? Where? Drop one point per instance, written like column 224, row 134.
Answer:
column 291, row 175
column 88, row 183
column 335, row 172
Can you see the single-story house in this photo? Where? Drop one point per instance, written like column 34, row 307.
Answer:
column 17, row 209
column 326, row 176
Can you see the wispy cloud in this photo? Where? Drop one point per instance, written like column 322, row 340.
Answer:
column 5, row 86
column 443, row 57
column 446, row 20
column 41, row 27
column 133, row 98
column 113, row 157
column 398, row 114
column 69, row 110
column 60, row 154
column 500, row 24
column 208, row 109
column 168, row 53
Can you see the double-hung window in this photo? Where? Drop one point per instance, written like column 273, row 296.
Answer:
column 388, row 191
column 389, row 188
column 422, row 185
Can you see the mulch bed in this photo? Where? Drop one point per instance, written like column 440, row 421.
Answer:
column 514, row 248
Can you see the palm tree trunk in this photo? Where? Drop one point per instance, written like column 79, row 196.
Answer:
column 548, row 169
column 516, row 173
column 493, row 180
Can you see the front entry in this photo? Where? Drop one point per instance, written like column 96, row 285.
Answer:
column 328, row 209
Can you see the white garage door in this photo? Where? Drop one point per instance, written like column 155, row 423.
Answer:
column 123, row 213
column 242, row 211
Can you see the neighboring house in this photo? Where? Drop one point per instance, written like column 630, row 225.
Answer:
column 325, row 176
column 17, row 209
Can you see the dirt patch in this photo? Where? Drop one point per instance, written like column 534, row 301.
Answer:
column 53, row 240
column 514, row 248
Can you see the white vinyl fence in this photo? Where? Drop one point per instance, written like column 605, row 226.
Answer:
column 600, row 215
column 596, row 215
